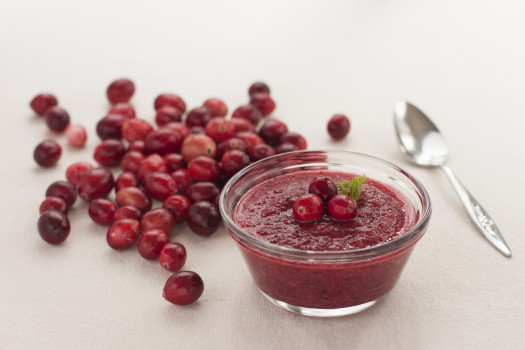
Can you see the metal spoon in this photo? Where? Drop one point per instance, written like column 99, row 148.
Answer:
column 423, row 144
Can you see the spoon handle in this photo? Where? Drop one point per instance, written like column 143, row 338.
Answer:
column 479, row 216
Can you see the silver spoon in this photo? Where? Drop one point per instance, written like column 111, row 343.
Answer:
column 423, row 144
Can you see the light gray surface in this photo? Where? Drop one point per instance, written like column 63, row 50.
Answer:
column 461, row 62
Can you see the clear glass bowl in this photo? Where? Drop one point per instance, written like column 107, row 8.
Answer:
column 325, row 283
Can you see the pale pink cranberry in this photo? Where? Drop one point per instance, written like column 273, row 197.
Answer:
column 168, row 114
column 183, row 179
column 157, row 218
column 163, row 141
column 170, row 100
column 76, row 135
column 96, row 183
column 233, row 161
column 198, row 145
column 123, row 234
column 47, row 153
column 76, row 171
column 220, row 129
column 110, row 127
column 54, row 203
column 41, row 102
column 181, row 128
column 160, row 185
column 131, row 161
column 272, row 130
column 127, row 212
column 135, row 129
column 179, row 206
column 120, row 90
column 109, row 152
column 172, row 256
column 124, row 109
column 56, row 118
column 199, row 116
column 257, row 87
column 133, row 196
column 203, row 168
column 101, row 211
column 183, row 288
column 241, row 124
column 338, row 126
column 263, row 102
column 295, row 139
column 126, row 179
column 249, row 113
column 216, row 106
column 151, row 242
column 64, row 190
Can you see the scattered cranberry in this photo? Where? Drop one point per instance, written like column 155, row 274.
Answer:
column 308, row 207
column 230, row 144
column 109, row 152
column 123, row 234
column 259, row 152
column 151, row 242
column 41, row 102
column 137, row 145
column 170, row 100
column 338, row 126
column 120, row 90
column 47, row 153
column 258, row 87
column 263, row 102
column 286, row 147
column 241, row 124
column 323, row 187
column 127, row 212
column 168, row 114
column 183, row 288
column 198, row 145
column 124, row 109
column 342, row 207
column 131, row 161
column 199, row 116
column 110, row 127
column 96, row 183
column 174, row 161
column 76, row 135
column 163, row 141
column 179, row 206
column 220, row 129
column 135, row 129
column 135, row 197
column 54, row 203
column 126, row 179
column 203, row 191
column 272, row 130
column 249, row 113
column 64, row 190
column 198, row 130
column 157, row 218
column 250, row 139
column 295, row 139
column 233, row 161
column 160, row 185
column 57, row 119
column 53, row 226
column 101, row 211
column 183, row 179
column 76, row 171
column 203, row 218
column 216, row 106
column 181, row 128
column 203, row 168
column 172, row 256
column 151, row 164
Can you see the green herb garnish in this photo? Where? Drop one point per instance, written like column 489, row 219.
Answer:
column 353, row 188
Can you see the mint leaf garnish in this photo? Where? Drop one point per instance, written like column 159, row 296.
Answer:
column 352, row 188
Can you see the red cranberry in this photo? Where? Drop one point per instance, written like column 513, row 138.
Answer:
column 172, row 256
column 170, row 100
column 137, row 145
column 183, row 288
column 263, row 102
column 47, row 153
column 217, row 199
column 151, row 242
column 135, row 197
column 203, row 191
column 203, row 218
column 96, row 183
column 110, row 127
column 250, row 139
column 101, row 211
column 216, row 106
column 123, row 234
column 308, row 207
column 40, row 103
column 179, row 206
column 57, row 119
column 286, row 147
column 198, row 145
column 76, row 135
column 338, row 126
column 198, row 130
column 151, row 164
column 131, row 161
column 135, row 129
column 126, row 179
column 204, row 168
column 259, row 152
column 54, row 203
column 127, row 212
column 233, row 161
column 181, row 128
column 272, row 130
column 183, row 179
column 230, row 144
column 163, row 141
column 76, row 171
column 124, row 109
column 258, row 87
column 168, row 114
column 295, row 139
column 53, row 226
column 64, row 190
column 241, row 124
column 342, row 207
column 249, row 113
column 158, row 218
column 199, row 116
column 220, row 129
column 160, row 185
column 109, row 152
column 120, row 90
column 323, row 187
column 174, row 161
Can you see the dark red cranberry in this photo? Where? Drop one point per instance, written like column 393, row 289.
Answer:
column 57, row 119
column 168, row 114
column 286, row 147
column 203, row 191
column 181, row 128
column 203, row 218
column 163, row 141
column 272, row 130
column 308, row 207
column 183, row 288
column 135, row 197
column 157, row 218
column 230, row 144
column 110, row 127
column 41, row 102
column 64, row 190
column 131, row 161
column 151, row 164
column 220, row 129
column 263, row 102
column 295, row 139
column 109, row 152
column 174, row 161
column 216, row 106
column 124, row 109
column 54, row 203
column 199, row 116
column 126, row 179
column 179, row 206
column 53, row 226
column 172, row 256
column 137, row 145
column 338, row 126
column 127, row 212
column 183, row 179
column 259, row 152
column 198, row 130
column 233, row 161
column 76, row 135
column 123, row 234
column 198, row 145
column 249, row 113
column 258, row 87
column 160, row 185
column 101, row 211
column 76, row 171
column 135, row 129
column 96, row 183
column 170, row 100
column 217, row 199
column 241, row 125
column 250, row 139
column 47, row 153
column 323, row 187
column 120, row 90
column 204, row 168
column 151, row 242
column 342, row 207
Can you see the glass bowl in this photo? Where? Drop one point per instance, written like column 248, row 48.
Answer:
column 325, row 283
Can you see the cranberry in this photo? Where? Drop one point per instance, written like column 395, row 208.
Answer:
column 174, row 161
column 338, row 126
column 163, row 141
column 124, row 109
column 286, row 147
column 137, row 145
column 76, row 171
column 57, row 119
column 110, row 127
column 53, row 226
column 183, row 179
column 135, row 197
column 135, row 129
column 160, row 185
column 230, row 144
column 170, row 100
column 308, row 207
column 198, row 145
column 250, row 139
column 263, row 102
column 183, row 288
column 323, row 187
column 47, row 153
column 76, row 135
column 216, row 106
column 101, row 211
column 272, row 130
column 233, row 161
column 199, row 116
column 168, row 114
column 295, row 139
column 41, row 102
column 120, row 90
column 220, row 129
column 179, row 206
column 203, row 218
column 342, row 207
column 172, row 256
column 96, row 183
column 181, row 128
column 258, row 87
column 64, row 190
column 127, row 212
column 203, row 191
column 203, row 168
column 259, row 152
column 131, row 161
column 109, row 152
column 157, row 218
column 241, row 124
column 151, row 242
column 198, row 130
column 123, row 234
column 54, row 203
column 126, row 179
column 249, row 113
column 217, row 199
column 150, row 164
